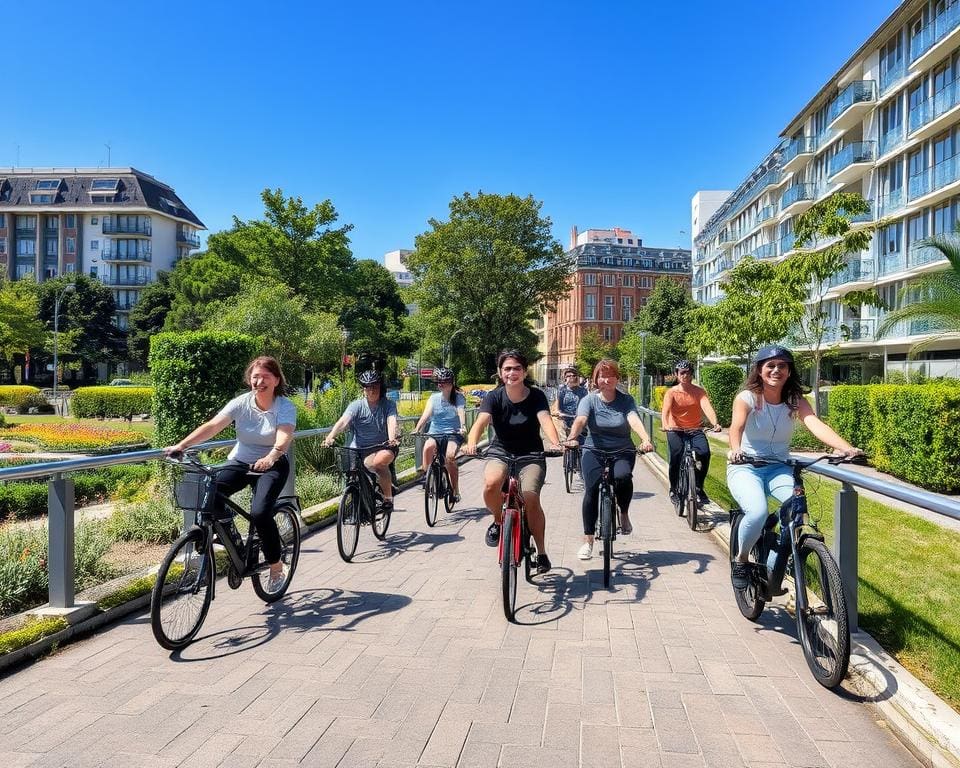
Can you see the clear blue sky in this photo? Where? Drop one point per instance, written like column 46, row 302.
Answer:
column 611, row 114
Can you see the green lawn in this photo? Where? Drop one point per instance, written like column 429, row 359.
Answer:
column 909, row 577
column 146, row 427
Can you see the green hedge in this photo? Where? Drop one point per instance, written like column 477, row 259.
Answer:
column 16, row 395
column 111, row 402
column 194, row 375
column 910, row 431
column 28, row 498
column 656, row 402
column 722, row 381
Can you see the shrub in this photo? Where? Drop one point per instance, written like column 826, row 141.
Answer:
column 111, row 402
column 896, row 377
column 31, row 631
column 152, row 520
column 194, row 375
column 658, row 394
column 722, row 382
column 312, row 488
column 28, row 498
column 15, row 395
column 35, row 402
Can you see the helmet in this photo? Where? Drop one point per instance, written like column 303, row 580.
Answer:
column 570, row 369
column 683, row 365
column 442, row 374
column 771, row 351
column 368, row 378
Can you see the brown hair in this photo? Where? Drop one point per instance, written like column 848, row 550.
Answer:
column 607, row 366
column 271, row 364
column 792, row 390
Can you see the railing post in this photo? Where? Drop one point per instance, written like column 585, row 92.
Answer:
column 60, row 541
column 290, row 486
column 845, row 513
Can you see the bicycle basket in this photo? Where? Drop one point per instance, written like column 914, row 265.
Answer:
column 194, row 491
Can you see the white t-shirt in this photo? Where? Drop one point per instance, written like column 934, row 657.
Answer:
column 256, row 429
column 769, row 428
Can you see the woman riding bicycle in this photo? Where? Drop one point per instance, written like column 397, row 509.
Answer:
column 569, row 395
column 264, row 422
column 517, row 412
column 446, row 413
column 609, row 415
column 373, row 420
column 765, row 414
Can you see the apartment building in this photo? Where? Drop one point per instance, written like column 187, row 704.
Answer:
column 119, row 225
column 886, row 125
column 614, row 274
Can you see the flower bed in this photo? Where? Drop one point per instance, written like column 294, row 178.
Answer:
column 72, row 437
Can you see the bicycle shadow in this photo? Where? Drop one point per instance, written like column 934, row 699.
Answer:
column 404, row 541
column 556, row 604
column 635, row 571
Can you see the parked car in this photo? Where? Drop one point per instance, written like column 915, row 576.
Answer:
column 121, row 383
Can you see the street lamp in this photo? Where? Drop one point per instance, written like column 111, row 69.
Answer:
column 643, row 339
column 448, row 347
column 56, row 329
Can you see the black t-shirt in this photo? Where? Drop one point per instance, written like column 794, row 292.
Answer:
column 515, row 425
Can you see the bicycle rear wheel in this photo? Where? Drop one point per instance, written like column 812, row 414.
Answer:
column 182, row 592
column 606, row 533
column 691, row 496
column 569, row 468
column 823, row 625
column 447, row 489
column 681, row 488
column 508, row 563
column 288, row 526
column 381, row 521
column 750, row 601
column 431, row 496
column 348, row 523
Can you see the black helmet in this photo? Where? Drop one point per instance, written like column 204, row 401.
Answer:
column 683, row 365
column 771, row 351
column 442, row 374
column 368, row 378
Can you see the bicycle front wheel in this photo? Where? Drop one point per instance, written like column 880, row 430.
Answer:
column 691, row 496
column 606, row 534
column 348, row 523
column 381, row 521
column 447, row 491
column 431, row 495
column 750, row 601
column 681, row 490
column 182, row 592
column 569, row 467
column 289, row 528
column 508, row 563
column 823, row 625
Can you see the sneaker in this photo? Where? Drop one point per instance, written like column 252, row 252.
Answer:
column 674, row 499
column 702, row 498
column 493, row 535
column 387, row 505
column 740, row 574
column 543, row 564
column 275, row 581
column 456, row 498
column 586, row 551
column 625, row 528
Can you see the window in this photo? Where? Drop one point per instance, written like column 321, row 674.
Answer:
column 93, row 271
column 102, row 198
column 26, row 222
column 70, row 267
column 626, row 308
column 3, row 245
column 49, row 272
column 609, row 280
column 3, row 220
column 891, row 238
column 607, row 333
column 51, row 246
column 644, row 282
column 71, row 245
column 53, row 222
column 628, row 281
column 48, row 184
column 589, row 278
column 26, row 248
column 94, row 245
column 943, row 219
column 71, row 221
column 590, row 306
column 608, row 307
column 94, row 220
column 40, row 199
column 105, row 184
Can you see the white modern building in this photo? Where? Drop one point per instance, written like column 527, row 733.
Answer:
column 396, row 264
column 119, row 225
column 886, row 125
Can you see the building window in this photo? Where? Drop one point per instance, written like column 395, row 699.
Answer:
column 71, row 221
column 609, row 280
column 93, row 271
column 590, row 306
column 51, row 246
column 38, row 199
column 48, row 184
column 3, row 245
column 70, row 267
column 94, row 220
column 71, row 245
column 94, row 245
column 104, row 184
column 608, row 307
column 628, row 281
column 589, row 278
column 3, row 220
column 607, row 333
column 627, row 308
column 26, row 248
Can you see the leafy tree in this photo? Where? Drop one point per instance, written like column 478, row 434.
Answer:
column 655, row 352
column 197, row 282
column 490, row 269
column 19, row 327
column 666, row 315
column 591, row 349
column 148, row 316
column 374, row 312
column 86, row 318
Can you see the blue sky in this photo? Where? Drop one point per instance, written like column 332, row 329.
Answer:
column 611, row 114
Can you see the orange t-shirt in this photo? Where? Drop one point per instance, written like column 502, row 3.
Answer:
column 685, row 409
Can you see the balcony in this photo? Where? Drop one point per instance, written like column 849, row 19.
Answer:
column 851, row 104
column 187, row 239
column 913, row 328
column 787, row 243
column 797, row 199
column 934, row 184
column 891, row 203
column 853, row 273
column 115, row 280
column 920, row 255
column 798, row 151
column 111, row 255
column 142, row 228
column 891, row 77
column 766, row 251
column 850, row 330
column 767, row 213
column 891, row 263
column 929, row 116
column 851, row 162
column 939, row 35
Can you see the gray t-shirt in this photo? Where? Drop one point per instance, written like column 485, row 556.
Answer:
column 369, row 425
column 768, row 429
column 607, row 422
column 256, row 429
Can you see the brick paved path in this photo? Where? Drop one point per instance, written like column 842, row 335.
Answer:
column 404, row 658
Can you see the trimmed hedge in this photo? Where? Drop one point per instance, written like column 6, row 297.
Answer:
column 194, row 375
column 16, row 395
column 28, row 498
column 111, row 402
column 911, row 431
column 722, row 381
column 656, row 402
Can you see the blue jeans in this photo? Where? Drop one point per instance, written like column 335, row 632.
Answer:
column 750, row 487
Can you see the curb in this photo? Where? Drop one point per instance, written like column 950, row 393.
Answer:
column 921, row 720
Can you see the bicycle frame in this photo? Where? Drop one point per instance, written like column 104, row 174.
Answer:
column 361, row 478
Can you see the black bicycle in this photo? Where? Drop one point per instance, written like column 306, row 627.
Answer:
column 571, row 458
column 185, row 582
column 436, row 483
column 687, row 501
column 361, row 502
column 821, row 608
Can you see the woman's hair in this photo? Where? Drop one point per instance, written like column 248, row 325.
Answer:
column 454, row 391
column 605, row 366
column 271, row 364
column 792, row 387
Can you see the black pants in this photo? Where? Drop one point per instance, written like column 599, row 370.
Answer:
column 266, row 490
column 622, row 486
column 675, row 441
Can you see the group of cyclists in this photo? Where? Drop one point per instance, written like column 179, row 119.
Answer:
column 602, row 417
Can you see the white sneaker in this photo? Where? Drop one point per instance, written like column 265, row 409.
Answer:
column 586, row 551
column 275, row 580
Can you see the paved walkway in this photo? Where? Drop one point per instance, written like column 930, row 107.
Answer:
column 403, row 658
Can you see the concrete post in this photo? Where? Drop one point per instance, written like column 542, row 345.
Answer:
column 60, row 541
column 845, row 513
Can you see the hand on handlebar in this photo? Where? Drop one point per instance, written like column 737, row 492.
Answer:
column 851, row 453
column 470, row 449
column 716, row 427
column 173, row 451
column 553, row 448
column 735, row 457
column 646, row 447
column 568, row 443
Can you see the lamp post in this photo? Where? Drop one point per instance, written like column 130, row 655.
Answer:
column 56, row 330
column 448, row 347
column 643, row 355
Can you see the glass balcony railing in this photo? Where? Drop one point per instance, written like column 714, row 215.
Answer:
column 891, row 202
column 892, row 75
column 802, row 145
column 125, row 279
column 787, row 242
column 766, row 213
column 192, row 240
column 111, row 255
column 850, row 330
column 862, row 218
column 857, row 152
column 725, row 237
column 890, row 263
column 891, row 140
column 766, row 251
column 943, row 173
column 111, row 227
column 920, row 255
column 939, row 104
column 856, row 93
column 797, row 193
column 854, row 272
column 937, row 29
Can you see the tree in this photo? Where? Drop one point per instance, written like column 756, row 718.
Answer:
column 666, row 315
column 19, row 327
column 148, row 316
column 655, row 352
column 86, row 321
column 374, row 313
column 198, row 282
column 591, row 349
column 490, row 269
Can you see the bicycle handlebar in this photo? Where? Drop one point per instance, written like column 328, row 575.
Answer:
column 831, row 458
column 605, row 454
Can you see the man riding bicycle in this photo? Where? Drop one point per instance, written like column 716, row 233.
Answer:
column 569, row 395
column 684, row 407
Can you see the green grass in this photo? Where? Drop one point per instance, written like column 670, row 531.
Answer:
column 30, row 632
column 145, row 427
column 133, row 590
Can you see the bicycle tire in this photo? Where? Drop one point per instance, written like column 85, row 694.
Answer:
column 750, row 601
column 381, row 522
column 681, row 488
column 508, row 564
column 348, row 523
column 430, row 499
column 181, row 595
column 568, row 470
column 288, row 525
column 447, row 489
column 691, row 497
column 606, row 534
column 823, row 629
column 527, row 550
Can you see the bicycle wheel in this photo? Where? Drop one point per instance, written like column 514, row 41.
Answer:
column 508, row 563
column 348, row 523
column 431, row 496
column 691, row 496
column 823, row 626
column 182, row 592
column 289, row 527
column 568, row 469
column 526, row 550
column 381, row 521
column 681, row 488
column 447, row 490
column 750, row 601
column 606, row 533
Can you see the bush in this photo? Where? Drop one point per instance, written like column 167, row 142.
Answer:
column 15, row 395
column 28, row 498
column 30, row 632
column 656, row 403
column 111, row 402
column 152, row 520
column 35, row 402
column 312, row 488
column 896, row 377
column 722, row 381
column 194, row 375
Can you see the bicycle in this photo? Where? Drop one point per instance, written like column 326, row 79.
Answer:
column 686, row 490
column 571, row 458
column 821, row 608
column 361, row 502
column 436, row 483
column 185, row 584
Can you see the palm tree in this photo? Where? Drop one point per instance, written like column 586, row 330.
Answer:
column 940, row 292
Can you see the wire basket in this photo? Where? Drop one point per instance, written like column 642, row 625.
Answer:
column 194, row 491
